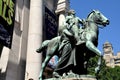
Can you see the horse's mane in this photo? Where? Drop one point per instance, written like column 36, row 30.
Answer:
column 90, row 14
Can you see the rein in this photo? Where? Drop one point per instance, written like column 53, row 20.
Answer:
column 91, row 21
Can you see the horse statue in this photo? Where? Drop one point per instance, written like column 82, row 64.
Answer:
column 88, row 46
column 88, row 37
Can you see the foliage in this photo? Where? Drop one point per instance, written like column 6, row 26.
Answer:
column 106, row 73
column 92, row 64
column 110, row 73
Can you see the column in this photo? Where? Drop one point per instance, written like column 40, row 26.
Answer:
column 4, row 62
column 33, row 63
column 4, row 59
column 62, row 8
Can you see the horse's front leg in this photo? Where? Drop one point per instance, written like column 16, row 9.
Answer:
column 97, row 69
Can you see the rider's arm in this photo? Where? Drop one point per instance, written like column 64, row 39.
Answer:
column 67, row 21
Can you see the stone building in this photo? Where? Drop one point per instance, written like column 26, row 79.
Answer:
column 21, row 62
column 110, row 59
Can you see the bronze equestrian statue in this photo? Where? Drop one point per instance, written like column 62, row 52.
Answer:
column 88, row 40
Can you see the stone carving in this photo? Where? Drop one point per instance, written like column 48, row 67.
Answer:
column 75, row 46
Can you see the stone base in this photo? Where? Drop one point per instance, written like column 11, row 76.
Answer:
column 76, row 77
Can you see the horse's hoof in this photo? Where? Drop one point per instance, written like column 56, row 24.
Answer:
column 56, row 75
column 40, row 78
column 39, row 50
column 97, row 69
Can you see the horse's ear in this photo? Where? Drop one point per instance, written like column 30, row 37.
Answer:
column 98, row 10
column 93, row 10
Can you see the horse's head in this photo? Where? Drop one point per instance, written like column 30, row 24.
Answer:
column 98, row 18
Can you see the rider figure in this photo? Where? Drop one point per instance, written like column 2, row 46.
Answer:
column 72, row 28
column 72, row 23
column 66, row 49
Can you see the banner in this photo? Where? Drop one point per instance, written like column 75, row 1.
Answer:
column 51, row 25
column 7, row 14
column 53, row 61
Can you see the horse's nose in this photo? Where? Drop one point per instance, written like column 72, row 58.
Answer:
column 108, row 22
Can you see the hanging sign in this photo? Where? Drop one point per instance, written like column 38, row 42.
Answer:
column 51, row 25
column 7, row 15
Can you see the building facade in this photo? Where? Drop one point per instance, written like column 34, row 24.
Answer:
column 110, row 59
column 22, row 62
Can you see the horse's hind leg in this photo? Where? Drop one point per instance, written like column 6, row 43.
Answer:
column 50, row 53
column 44, row 64
column 93, row 48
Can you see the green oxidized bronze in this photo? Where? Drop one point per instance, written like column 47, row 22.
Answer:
column 75, row 46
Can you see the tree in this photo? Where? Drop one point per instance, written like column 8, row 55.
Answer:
column 106, row 73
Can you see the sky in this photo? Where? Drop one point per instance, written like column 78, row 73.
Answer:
column 110, row 9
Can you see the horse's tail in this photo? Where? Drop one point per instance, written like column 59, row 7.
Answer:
column 43, row 46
